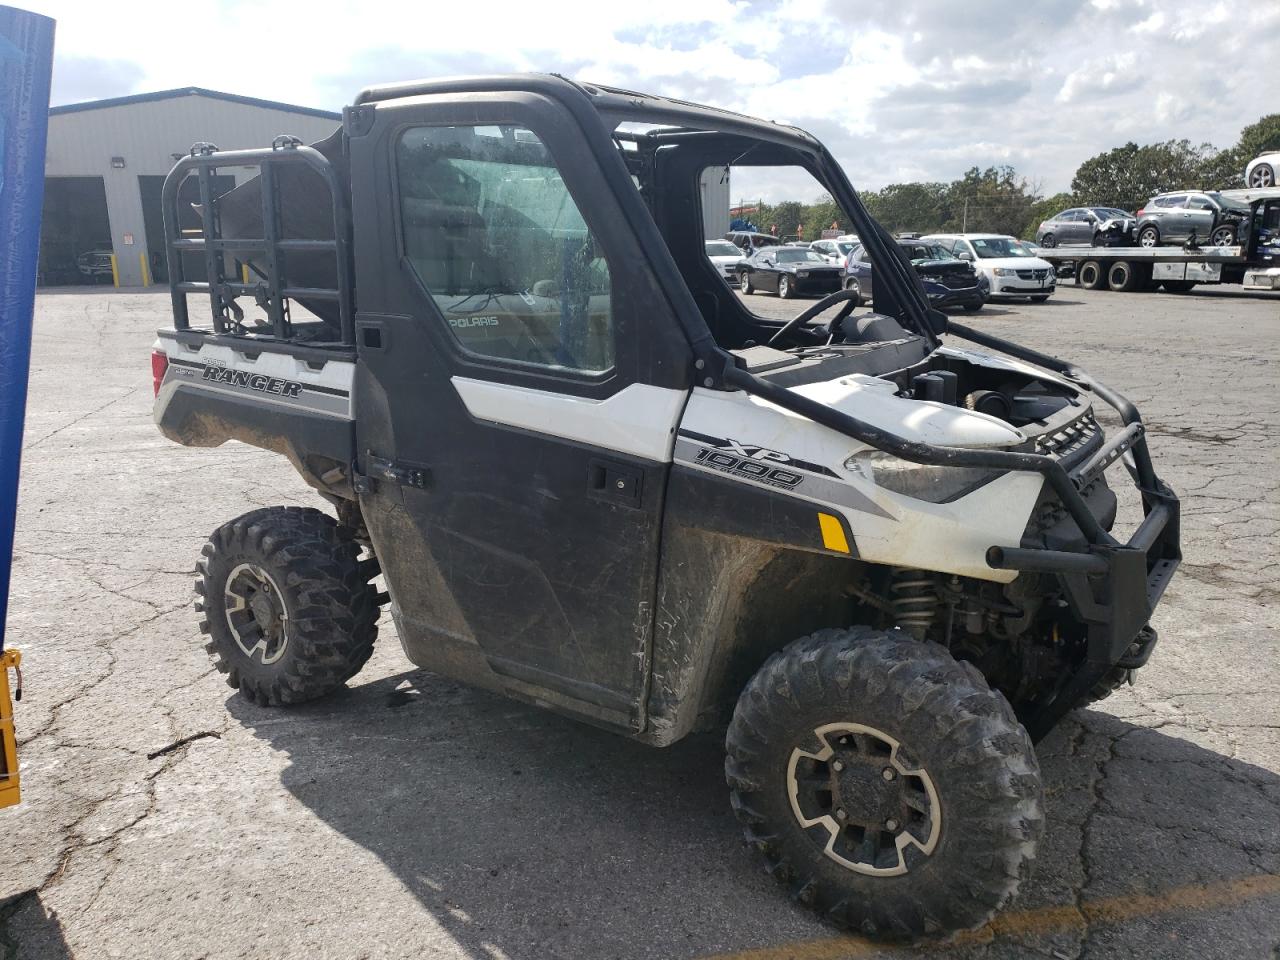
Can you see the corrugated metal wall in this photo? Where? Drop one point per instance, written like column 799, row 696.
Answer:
column 147, row 135
column 715, row 202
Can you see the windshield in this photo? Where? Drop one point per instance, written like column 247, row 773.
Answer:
column 925, row 251
column 798, row 256
column 722, row 248
column 1222, row 201
column 1107, row 213
column 995, row 248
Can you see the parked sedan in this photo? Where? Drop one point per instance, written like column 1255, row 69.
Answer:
column 788, row 271
column 1090, row 226
column 1174, row 217
column 948, row 281
column 1263, row 171
column 725, row 257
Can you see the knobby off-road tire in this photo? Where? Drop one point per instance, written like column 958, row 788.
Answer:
column 925, row 749
column 287, row 604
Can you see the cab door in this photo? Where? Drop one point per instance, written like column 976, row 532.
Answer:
column 520, row 379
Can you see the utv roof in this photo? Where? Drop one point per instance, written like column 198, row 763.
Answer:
column 668, row 115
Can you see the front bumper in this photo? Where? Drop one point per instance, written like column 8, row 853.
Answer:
column 825, row 282
column 963, row 296
column 1111, row 588
column 1017, row 287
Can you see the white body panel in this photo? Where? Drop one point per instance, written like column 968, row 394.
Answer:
column 325, row 389
column 1005, row 285
column 887, row 527
column 639, row 419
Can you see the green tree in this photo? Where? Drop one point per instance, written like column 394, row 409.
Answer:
column 1043, row 210
column 1128, row 176
column 909, row 206
column 1260, row 137
column 995, row 200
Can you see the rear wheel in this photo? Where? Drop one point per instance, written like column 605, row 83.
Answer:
column 851, row 283
column 887, row 786
column 744, row 282
column 785, row 290
column 1089, row 275
column 286, row 603
column 1264, row 175
column 1149, row 236
column 1122, row 277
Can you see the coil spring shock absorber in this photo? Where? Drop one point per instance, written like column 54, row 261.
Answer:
column 915, row 600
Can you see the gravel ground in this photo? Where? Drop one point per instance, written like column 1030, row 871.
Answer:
column 410, row 816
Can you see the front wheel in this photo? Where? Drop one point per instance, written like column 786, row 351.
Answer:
column 851, row 284
column 886, row 785
column 286, row 603
column 1223, row 236
column 1049, row 241
column 785, row 290
column 744, row 283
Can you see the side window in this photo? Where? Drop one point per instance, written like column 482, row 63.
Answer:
column 495, row 237
column 1199, row 203
column 1069, row 216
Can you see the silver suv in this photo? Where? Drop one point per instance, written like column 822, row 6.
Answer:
column 1175, row 217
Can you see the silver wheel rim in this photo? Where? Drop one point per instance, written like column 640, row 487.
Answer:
column 256, row 613
column 783, row 286
column 1261, row 177
column 1222, row 238
column 863, row 800
column 744, row 283
column 1147, row 239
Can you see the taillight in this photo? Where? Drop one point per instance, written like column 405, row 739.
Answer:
column 159, row 367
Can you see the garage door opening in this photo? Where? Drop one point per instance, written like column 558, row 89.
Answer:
column 75, row 232
column 150, row 187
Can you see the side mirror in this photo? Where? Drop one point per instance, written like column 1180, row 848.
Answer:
column 965, row 255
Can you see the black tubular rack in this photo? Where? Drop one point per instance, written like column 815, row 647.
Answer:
column 272, row 288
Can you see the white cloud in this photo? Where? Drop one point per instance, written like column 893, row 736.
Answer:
column 898, row 91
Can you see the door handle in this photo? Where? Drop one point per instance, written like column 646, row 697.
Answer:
column 615, row 482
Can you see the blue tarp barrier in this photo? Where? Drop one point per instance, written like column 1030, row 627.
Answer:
column 26, row 60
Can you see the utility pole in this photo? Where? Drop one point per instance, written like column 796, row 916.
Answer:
column 964, row 220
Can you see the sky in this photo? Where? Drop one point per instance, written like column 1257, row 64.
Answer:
column 899, row 90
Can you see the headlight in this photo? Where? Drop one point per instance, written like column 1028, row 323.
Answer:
column 802, row 273
column 930, row 484
column 1005, row 272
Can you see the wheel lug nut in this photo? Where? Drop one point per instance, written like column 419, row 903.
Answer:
column 888, row 773
column 891, row 825
column 837, row 766
column 841, row 815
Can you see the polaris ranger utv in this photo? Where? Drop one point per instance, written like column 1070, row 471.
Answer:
column 594, row 480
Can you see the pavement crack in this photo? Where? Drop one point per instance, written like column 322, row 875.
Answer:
column 179, row 744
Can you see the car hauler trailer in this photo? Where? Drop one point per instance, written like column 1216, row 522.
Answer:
column 1254, row 264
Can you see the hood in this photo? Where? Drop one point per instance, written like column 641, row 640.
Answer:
column 938, row 268
column 873, row 401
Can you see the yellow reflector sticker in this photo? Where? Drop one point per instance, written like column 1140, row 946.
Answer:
column 833, row 537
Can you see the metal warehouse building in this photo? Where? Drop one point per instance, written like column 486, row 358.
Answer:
column 107, row 161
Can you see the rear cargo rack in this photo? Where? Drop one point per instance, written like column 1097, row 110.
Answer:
column 272, row 289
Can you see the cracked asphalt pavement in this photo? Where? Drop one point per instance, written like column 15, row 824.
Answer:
column 411, row 816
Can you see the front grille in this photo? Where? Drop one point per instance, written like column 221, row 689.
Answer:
column 1032, row 274
column 1075, row 435
column 957, row 281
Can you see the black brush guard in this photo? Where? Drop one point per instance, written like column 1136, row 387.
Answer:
column 1114, row 587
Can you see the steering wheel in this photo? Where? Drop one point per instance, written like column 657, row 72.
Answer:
column 830, row 300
